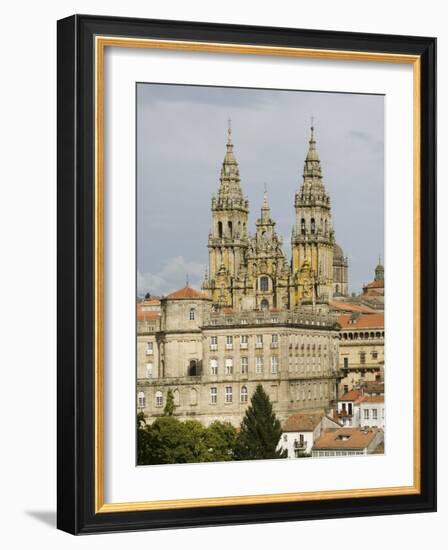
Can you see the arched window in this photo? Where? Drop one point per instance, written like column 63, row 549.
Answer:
column 302, row 226
column 313, row 225
column 264, row 304
column 159, row 399
column 141, row 401
column 193, row 396
column 229, row 224
column 192, row 314
column 264, row 284
column 243, row 395
column 176, row 396
column 337, row 289
column 220, row 229
column 326, row 227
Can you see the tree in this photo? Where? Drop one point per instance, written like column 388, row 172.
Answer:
column 169, row 405
column 221, row 438
column 260, row 430
column 142, row 439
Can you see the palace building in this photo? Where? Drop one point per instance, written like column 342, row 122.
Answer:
column 257, row 319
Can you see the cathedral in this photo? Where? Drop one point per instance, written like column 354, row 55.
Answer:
column 258, row 318
column 248, row 272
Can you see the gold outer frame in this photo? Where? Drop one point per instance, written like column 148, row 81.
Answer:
column 101, row 42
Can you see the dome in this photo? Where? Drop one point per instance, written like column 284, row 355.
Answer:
column 338, row 254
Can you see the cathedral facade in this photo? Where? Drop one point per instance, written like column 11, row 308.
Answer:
column 257, row 319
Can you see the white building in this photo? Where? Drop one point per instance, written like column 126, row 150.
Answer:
column 355, row 409
column 371, row 411
column 300, row 431
column 348, row 410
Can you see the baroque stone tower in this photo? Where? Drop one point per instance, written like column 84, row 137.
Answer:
column 312, row 237
column 228, row 239
column 267, row 266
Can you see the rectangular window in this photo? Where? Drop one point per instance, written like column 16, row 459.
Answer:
column 213, row 366
column 213, row 396
column 228, row 394
column 345, row 362
column 362, row 357
column 375, row 414
column 259, row 365
column 259, row 342
column 229, row 342
column 244, row 365
column 229, row 365
column 149, row 348
column 244, row 341
column 214, row 343
column 274, row 364
column 366, row 414
column 374, row 355
column 274, row 341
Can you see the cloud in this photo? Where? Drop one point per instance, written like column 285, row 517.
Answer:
column 172, row 276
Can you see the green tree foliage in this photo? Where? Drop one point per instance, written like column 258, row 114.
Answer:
column 170, row 441
column 260, row 430
column 169, row 406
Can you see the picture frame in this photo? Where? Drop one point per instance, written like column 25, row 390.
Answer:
column 82, row 41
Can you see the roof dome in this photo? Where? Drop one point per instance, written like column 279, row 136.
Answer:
column 187, row 293
column 338, row 253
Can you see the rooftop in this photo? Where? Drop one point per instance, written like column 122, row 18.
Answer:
column 352, row 395
column 346, row 306
column 302, row 422
column 370, row 320
column 187, row 293
column 346, row 438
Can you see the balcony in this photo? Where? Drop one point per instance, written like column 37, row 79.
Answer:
column 274, row 345
column 229, row 346
column 213, row 347
column 244, row 345
column 259, row 345
column 149, row 352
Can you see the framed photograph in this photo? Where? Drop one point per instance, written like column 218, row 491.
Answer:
column 246, row 274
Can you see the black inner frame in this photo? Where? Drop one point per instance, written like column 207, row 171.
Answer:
column 76, row 395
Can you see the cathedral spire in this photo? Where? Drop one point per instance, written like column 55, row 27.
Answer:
column 230, row 188
column 312, row 167
column 265, row 210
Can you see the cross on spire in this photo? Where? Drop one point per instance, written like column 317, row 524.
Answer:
column 229, row 131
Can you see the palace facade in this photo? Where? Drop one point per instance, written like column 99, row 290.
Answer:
column 257, row 319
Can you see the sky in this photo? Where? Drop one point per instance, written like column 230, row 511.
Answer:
column 181, row 137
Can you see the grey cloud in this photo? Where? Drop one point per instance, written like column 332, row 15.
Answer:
column 181, row 144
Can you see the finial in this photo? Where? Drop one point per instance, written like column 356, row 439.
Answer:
column 312, row 129
column 187, row 281
column 379, row 259
column 229, row 131
column 265, row 197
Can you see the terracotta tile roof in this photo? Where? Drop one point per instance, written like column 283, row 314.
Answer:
column 147, row 315
column 371, row 399
column 151, row 302
column 302, row 422
column 373, row 293
column 344, row 306
column 346, row 438
column 375, row 284
column 352, row 395
column 187, row 293
column 370, row 320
